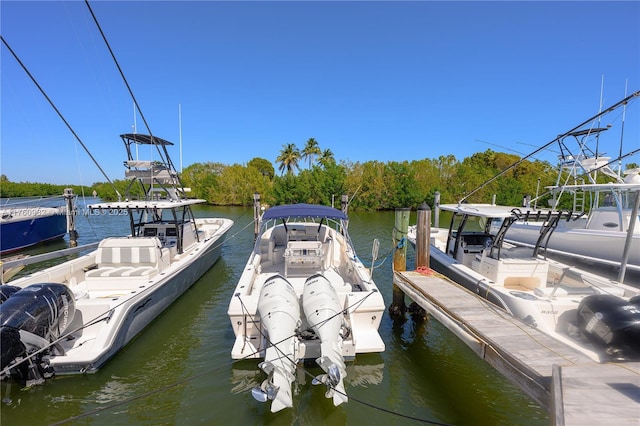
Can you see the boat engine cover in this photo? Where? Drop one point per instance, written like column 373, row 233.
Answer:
column 608, row 320
column 45, row 310
column 6, row 291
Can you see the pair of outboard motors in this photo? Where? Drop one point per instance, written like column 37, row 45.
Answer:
column 32, row 319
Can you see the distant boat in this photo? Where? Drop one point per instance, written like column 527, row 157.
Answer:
column 25, row 226
column 600, row 224
column 73, row 317
column 304, row 294
column 602, row 206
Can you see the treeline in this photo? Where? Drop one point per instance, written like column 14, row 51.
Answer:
column 372, row 185
column 10, row 189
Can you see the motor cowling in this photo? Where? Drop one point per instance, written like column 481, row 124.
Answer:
column 6, row 291
column 611, row 322
column 31, row 319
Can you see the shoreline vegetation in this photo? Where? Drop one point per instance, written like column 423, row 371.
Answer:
column 372, row 185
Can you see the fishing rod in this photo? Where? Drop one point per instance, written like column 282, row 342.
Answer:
column 517, row 163
column 59, row 113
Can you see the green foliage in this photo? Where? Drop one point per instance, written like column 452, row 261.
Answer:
column 289, row 158
column 107, row 191
column 237, row 184
column 373, row 185
column 10, row 189
column 263, row 166
column 310, row 150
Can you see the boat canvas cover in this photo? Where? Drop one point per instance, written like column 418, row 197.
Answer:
column 303, row 210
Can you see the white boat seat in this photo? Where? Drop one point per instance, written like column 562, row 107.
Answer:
column 123, row 271
column 129, row 258
column 516, row 252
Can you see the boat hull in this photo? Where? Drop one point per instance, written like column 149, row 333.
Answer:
column 466, row 277
column 28, row 229
column 140, row 311
column 594, row 246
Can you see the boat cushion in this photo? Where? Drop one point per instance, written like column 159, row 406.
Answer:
column 127, row 257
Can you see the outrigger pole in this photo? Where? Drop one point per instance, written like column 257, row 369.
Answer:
column 598, row 115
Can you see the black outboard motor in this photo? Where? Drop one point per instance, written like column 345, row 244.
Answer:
column 611, row 322
column 30, row 320
column 6, row 291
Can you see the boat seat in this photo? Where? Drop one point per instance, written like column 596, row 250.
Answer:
column 516, row 252
column 129, row 258
column 563, row 291
column 123, row 272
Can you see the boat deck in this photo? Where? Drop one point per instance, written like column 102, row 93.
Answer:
column 574, row 389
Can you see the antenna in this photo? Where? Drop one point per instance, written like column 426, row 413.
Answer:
column 599, row 118
column 624, row 113
column 180, row 130
column 135, row 127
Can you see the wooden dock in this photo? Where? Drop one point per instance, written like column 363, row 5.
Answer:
column 573, row 388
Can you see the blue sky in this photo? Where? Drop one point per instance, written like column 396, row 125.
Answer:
column 387, row 81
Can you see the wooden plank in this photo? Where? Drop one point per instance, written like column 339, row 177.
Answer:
column 597, row 394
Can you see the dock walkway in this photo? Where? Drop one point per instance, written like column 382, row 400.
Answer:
column 573, row 388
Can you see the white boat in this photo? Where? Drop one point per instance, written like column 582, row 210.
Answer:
column 595, row 315
column 304, row 294
column 73, row 317
column 601, row 224
column 601, row 203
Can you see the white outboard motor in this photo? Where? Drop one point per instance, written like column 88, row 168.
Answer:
column 31, row 319
column 279, row 311
column 322, row 308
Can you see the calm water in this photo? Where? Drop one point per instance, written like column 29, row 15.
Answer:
column 179, row 370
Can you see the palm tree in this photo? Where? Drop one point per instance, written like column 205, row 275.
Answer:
column 310, row 149
column 288, row 158
column 326, row 158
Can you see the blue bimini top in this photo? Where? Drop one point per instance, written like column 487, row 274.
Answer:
column 303, row 210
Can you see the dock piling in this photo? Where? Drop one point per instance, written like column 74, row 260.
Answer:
column 256, row 215
column 423, row 235
column 69, row 198
column 398, row 307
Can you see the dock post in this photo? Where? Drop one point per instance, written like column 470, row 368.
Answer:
column 69, row 198
column 627, row 242
column 436, row 206
column 344, row 203
column 401, row 226
column 256, row 215
column 344, row 206
column 423, row 236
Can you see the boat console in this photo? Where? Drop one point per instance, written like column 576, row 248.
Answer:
column 303, row 258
